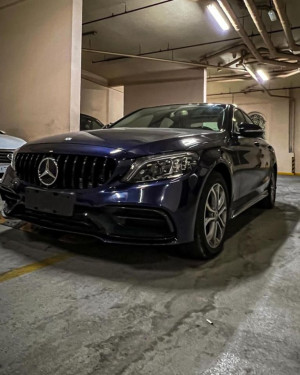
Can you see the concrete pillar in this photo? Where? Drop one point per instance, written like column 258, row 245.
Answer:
column 40, row 72
column 100, row 101
column 174, row 87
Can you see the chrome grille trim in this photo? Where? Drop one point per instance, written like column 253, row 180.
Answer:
column 74, row 171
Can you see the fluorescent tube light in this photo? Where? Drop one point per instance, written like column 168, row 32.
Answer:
column 250, row 71
column 215, row 12
column 262, row 75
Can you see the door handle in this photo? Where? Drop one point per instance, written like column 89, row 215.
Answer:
column 257, row 144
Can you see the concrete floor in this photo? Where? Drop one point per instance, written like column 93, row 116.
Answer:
column 115, row 310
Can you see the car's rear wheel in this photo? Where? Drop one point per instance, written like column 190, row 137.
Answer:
column 269, row 201
column 212, row 217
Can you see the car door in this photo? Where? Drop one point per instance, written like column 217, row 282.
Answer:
column 249, row 160
column 265, row 159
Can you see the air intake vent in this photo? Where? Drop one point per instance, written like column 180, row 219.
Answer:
column 4, row 156
column 74, row 171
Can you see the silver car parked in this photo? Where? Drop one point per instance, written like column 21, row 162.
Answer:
column 8, row 145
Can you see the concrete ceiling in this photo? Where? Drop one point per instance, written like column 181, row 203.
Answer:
column 182, row 29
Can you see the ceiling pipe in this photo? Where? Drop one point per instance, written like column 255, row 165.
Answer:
column 235, row 61
column 289, row 74
column 250, row 91
column 280, row 9
column 232, row 79
column 113, row 15
column 241, row 77
column 226, row 7
column 195, row 45
column 191, row 64
column 232, row 48
column 253, row 11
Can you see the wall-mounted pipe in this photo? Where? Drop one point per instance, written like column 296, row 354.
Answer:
column 280, row 9
column 234, row 20
column 253, row 11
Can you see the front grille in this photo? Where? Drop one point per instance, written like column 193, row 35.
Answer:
column 4, row 156
column 74, row 171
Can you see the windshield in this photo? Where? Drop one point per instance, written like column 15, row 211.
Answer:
column 198, row 116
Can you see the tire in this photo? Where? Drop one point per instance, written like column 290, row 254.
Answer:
column 269, row 201
column 211, row 221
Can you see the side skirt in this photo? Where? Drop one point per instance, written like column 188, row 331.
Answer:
column 249, row 204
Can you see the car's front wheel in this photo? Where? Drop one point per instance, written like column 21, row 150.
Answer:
column 212, row 217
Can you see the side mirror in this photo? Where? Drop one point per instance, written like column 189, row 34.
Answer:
column 251, row 130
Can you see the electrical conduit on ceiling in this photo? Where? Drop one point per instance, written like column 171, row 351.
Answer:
column 224, row 4
column 253, row 11
column 280, row 9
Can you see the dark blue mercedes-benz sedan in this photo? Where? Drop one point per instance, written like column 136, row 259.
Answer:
column 172, row 174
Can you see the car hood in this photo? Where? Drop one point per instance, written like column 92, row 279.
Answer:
column 134, row 142
column 7, row 142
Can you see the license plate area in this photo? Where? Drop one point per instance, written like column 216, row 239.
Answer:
column 52, row 202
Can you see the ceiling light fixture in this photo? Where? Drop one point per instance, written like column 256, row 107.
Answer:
column 272, row 15
column 250, row 71
column 216, row 13
column 262, row 75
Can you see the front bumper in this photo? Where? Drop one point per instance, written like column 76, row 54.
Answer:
column 161, row 212
column 3, row 168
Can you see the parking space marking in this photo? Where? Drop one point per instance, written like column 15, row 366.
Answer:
column 17, row 272
column 2, row 220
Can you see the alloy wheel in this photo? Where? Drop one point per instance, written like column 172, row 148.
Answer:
column 215, row 215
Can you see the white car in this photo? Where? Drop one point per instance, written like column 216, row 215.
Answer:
column 8, row 145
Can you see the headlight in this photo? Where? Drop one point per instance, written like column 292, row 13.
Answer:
column 13, row 159
column 159, row 167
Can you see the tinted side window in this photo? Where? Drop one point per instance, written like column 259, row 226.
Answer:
column 96, row 125
column 237, row 120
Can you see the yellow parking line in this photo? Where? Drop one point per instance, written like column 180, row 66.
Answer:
column 27, row 227
column 33, row 267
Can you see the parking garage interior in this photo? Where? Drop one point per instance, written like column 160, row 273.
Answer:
column 72, row 304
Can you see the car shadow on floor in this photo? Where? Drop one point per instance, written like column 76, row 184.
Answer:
column 252, row 240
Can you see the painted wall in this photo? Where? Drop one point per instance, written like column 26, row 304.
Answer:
column 40, row 72
column 104, row 103
column 115, row 103
column 185, row 90
column 276, row 112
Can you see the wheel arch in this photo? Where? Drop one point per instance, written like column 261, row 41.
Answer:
column 224, row 171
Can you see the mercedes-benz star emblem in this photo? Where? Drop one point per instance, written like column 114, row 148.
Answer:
column 48, row 171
